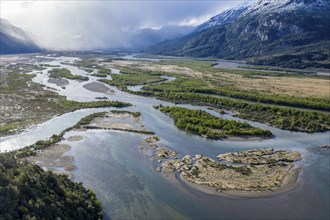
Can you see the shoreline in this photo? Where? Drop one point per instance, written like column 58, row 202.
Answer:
column 250, row 174
column 291, row 184
column 248, row 138
column 53, row 159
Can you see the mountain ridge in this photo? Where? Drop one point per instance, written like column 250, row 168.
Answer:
column 295, row 33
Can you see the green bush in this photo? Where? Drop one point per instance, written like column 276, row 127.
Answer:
column 202, row 123
column 59, row 73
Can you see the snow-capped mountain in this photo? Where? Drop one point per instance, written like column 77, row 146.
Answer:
column 276, row 6
column 15, row 40
column 290, row 33
column 225, row 17
column 251, row 7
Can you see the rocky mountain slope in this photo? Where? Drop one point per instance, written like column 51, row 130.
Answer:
column 287, row 33
column 15, row 40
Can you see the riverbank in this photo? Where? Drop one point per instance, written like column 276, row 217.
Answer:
column 290, row 184
column 53, row 159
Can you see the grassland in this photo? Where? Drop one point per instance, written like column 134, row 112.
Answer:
column 281, row 71
column 213, row 88
column 263, row 82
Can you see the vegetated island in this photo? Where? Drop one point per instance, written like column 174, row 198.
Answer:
column 102, row 72
column 114, row 120
column 251, row 173
column 58, row 73
column 202, row 123
column 28, row 192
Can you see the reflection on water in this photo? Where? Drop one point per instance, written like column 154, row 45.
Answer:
column 109, row 163
column 128, row 186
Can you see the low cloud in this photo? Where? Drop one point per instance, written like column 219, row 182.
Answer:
column 85, row 25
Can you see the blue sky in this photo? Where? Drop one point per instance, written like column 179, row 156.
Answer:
column 96, row 24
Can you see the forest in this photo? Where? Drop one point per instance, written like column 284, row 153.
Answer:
column 28, row 192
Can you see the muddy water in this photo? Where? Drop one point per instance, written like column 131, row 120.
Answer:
column 128, row 186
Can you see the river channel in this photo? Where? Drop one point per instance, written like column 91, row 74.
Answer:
column 125, row 180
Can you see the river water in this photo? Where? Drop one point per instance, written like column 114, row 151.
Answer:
column 125, row 180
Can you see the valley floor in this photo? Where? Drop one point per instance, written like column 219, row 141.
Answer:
column 286, row 111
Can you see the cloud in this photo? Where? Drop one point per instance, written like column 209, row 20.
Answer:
column 78, row 37
column 76, row 25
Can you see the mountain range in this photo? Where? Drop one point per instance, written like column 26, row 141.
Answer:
column 287, row 33
column 15, row 40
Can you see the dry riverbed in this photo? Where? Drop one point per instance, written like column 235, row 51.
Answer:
column 98, row 87
column 118, row 120
column 52, row 159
